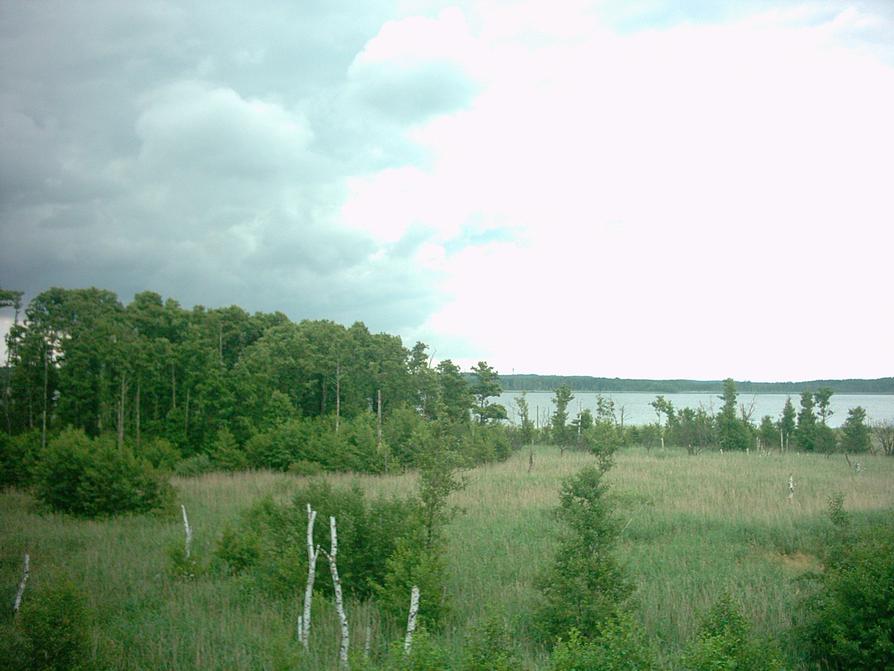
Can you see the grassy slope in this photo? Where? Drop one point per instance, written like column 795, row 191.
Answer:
column 694, row 526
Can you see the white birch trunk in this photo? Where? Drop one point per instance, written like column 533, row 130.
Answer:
column 411, row 619
column 186, row 530
column 791, row 488
column 339, row 601
column 312, row 554
column 26, row 571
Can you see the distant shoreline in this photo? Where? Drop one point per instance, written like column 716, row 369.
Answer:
column 582, row 383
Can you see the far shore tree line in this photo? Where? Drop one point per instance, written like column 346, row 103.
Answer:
column 733, row 428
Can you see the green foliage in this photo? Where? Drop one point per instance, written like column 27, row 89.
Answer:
column 269, row 543
column 849, row 618
column 425, row 654
column 805, row 433
column 561, row 433
column 526, row 428
column 51, row 632
column 194, row 466
column 787, row 421
column 486, row 385
column 225, row 452
column 91, row 478
column 733, row 432
column 724, row 642
column 855, row 433
column 490, row 648
column 585, row 586
column 767, row 433
column 619, row 646
column 418, row 558
column 18, row 458
column 161, row 454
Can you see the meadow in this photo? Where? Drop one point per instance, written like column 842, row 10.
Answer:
column 694, row 526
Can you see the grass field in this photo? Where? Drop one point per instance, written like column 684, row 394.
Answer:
column 693, row 527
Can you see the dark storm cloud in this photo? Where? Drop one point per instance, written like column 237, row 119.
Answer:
column 201, row 152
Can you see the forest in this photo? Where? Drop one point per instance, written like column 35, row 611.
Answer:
column 208, row 488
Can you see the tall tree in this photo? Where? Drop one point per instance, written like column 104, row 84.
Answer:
column 485, row 386
column 787, row 422
column 855, row 432
column 805, row 433
column 733, row 433
column 561, row 434
column 823, row 404
column 455, row 396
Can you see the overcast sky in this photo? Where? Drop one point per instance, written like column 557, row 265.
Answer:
column 658, row 189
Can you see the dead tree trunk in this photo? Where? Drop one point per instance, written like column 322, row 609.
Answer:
column 312, row 554
column 379, row 420
column 43, row 430
column 187, row 530
column 26, row 571
column 339, row 600
column 411, row 619
column 136, row 402
column 121, row 401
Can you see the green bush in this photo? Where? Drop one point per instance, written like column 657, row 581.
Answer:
column 849, row 618
column 425, row 655
column 160, row 453
column 620, row 646
column 724, row 643
column 91, row 478
column 18, row 458
column 490, row 649
column 225, row 452
column 270, row 542
column 585, row 586
column 51, row 632
column 194, row 466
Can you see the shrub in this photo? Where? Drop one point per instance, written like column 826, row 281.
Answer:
column 724, row 641
column 269, row 544
column 51, row 632
column 425, row 655
column 585, row 586
column 849, row 618
column 93, row 478
column 194, row 466
column 225, row 452
column 18, row 458
column 161, row 454
column 490, row 649
column 620, row 646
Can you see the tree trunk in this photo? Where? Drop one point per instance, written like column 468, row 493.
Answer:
column 186, row 417
column 312, row 554
column 121, row 400
column 411, row 619
column 187, row 530
column 137, row 417
column 26, row 571
column 337, row 395
column 379, row 420
column 339, row 601
column 43, row 430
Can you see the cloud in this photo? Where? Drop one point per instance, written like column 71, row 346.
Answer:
column 665, row 189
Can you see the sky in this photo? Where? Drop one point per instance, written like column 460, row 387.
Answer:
column 697, row 189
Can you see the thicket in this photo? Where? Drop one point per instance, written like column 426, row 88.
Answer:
column 91, row 478
column 51, row 632
column 848, row 618
column 725, row 641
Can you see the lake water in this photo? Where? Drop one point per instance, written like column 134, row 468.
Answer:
column 638, row 411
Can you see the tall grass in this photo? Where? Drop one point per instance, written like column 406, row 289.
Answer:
column 693, row 526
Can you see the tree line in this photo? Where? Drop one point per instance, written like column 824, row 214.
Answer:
column 223, row 387
column 527, row 382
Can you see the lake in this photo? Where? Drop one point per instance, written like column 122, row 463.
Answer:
column 638, row 411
